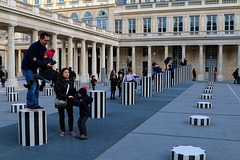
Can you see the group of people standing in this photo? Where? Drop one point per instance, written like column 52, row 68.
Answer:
column 3, row 77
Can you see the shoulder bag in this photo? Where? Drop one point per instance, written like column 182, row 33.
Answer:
column 61, row 103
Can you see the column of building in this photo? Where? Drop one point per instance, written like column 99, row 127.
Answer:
column 183, row 52
column 118, row 60
column 94, row 59
column 34, row 36
column 63, row 57
column 82, row 61
column 238, row 56
column 220, row 55
column 19, row 72
column 70, row 53
column 102, row 64
column 86, row 63
column 200, row 75
column 111, row 57
column 133, row 60
column 76, row 60
column 149, row 61
column 54, row 46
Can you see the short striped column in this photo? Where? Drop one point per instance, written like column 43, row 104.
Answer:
column 209, row 87
column 77, row 83
column 158, row 82
column 16, row 107
column 128, row 93
column 146, row 86
column 198, row 120
column 13, row 96
column 98, row 106
column 204, row 105
column 206, row 96
column 167, row 79
column 9, row 90
column 107, row 83
column 210, row 83
column 187, row 153
column 32, row 127
column 208, row 91
column 48, row 91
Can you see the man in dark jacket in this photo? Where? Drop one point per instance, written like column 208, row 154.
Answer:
column 29, row 67
column 236, row 76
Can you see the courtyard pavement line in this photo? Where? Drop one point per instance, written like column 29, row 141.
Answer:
column 201, row 113
column 233, row 92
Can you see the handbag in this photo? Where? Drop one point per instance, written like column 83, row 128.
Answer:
column 61, row 103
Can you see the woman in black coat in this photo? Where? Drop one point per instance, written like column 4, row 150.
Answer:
column 114, row 81
column 60, row 90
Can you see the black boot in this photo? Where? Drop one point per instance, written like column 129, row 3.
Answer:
column 42, row 85
column 28, row 86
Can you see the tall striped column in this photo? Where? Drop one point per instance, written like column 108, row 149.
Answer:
column 146, row 86
column 158, row 82
column 32, row 127
column 179, row 73
column 9, row 90
column 167, row 79
column 98, row 106
column 128, row 93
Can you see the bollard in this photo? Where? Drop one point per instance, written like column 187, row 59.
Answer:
column 98, row 106
column 205, row 105
column 107, row 83
column 13, row 96
column 9, row 90
column 158, row 82
column 210, row 83
column 16, row 107
column 206, row 96
column 32, row 127
column 48, row 91
column 198, row 120
column 128, row 93
column 209, row 87
column 146, row 86
column 208, row 91
column 187, row 153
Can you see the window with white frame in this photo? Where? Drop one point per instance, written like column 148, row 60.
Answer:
column 48, row 1
column 102, row 20
column 25, row 1
column 147, row 1
column 88, row 18
column 162, row 24
column 118, row 26
column 61, row 0
column 131, row 26
column 74, row 16
column 229, row 23
column 212, row 24
column 194, row 24
column 146, row 25
column 36, row 1
column 132, row 1
column 177, row 24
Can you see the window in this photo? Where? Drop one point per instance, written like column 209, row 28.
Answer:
column 61, row 0
column 177, row 24
column 211, row 24
column 194, row 24
column 130, row 51
column 211, row 57
column 145, row 52
column 48, row 1
column 177, row 55
column 229, row 24
column 147, row 25
column 36, row 1
column 118, row 26
column 74, row 16
column 102, row 20
column 88, row 18
column 132, row 26
column 25, row 1
column 162, row 24
column 132, row 1
column 147, row 1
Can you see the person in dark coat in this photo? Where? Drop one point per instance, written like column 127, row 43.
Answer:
column 236, row 76
column 166, row 61
column 46, row 73
column 185, row 62
column 114, row 81
column 2, row 77
column 83, row 101
column 145, row 72
column 60, row 89
column 194, row 73
column 72, row 74
column 29, row 67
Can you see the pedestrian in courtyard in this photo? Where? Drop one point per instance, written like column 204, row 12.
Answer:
column 65, row 90
column 194, row 73
column 2, row 77
column 129, row 77
column 236, row 76
column 185, row 62
column 166, row 61
column 29, row 67
column 128, row 62
column 93, row 82
column 6, row 75
column 83, row 101
column 120, row 79
column 215, row 75
column 114, row 81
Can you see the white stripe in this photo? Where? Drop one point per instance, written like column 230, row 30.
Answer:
column 40, row 128
column 234, row 92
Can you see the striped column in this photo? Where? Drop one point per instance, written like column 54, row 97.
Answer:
column 9, row 90
column 174, row 82
column 209, row 87
column 206, row 96
column 77, row 83
column 205, row 105
column 98, row 106
column 146, row 86
column 187, row 153
column 16, row 107
column 12, row 96
column 158, row 82
column 208, row 91
column 107, row 83
column 77, row 87
column 167, row 79
column 210, row 83
column 48, row 91
column 211, row 73
column 198, row 120
column 128, row 93
column 32, row 127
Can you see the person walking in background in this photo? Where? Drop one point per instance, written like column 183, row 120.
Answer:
column 93, row 82
column 194, row 73
column 83, row 101
column 215, row 75
column 6, row 75
column 236, row 76
column 65, row 90
column 114, row 81
column 129, row 77
column 72, row 75
column 185, row 62
column 120, row 79
column 166, row 61
column 128, row 62
column 55, row 77
column 2, row 78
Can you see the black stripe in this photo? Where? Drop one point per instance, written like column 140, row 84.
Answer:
column 36, row 128
column 190, row 122
column 201, row 156
column 195, row 121
column 95, row 105
column 127, row 95
column 44, row 126
column 210, row 105
column 27, row 129
column 101, row 105
column 180, row 157
column 208, row 121
column 105, row 104
column 191, row 157
column 172, row 155
column 20, row 127
column 91, row 105
column 202, row 122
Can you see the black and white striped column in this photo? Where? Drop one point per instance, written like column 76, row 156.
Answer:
column 32, row 127
column 208, row 91
column 187, row 153
column 48, row 91
column 9, row 90
column 167, row 79
column 158, row 82
column 16, row 107
column 204, row 105
column 107, row 83
column 98, row 106
column 12, row 96
column 198, row 120
column 210, row 83
column 146, row 86
column 206, row 96
column 128, row 93
column 209, row 87
column 77, row 83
